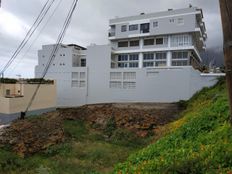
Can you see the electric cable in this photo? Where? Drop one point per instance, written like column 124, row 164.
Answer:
column 54, row 52
column 35, row 25
column 33, row 42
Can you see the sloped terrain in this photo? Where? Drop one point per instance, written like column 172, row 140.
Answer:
column 199, row 142
column 136, row 117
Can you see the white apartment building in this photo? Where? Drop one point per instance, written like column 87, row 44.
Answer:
column 150, row 58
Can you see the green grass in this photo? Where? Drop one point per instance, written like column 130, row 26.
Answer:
column 200, row 142
column 84, row 151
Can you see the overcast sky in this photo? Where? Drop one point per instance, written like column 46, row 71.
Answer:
column 89, row 24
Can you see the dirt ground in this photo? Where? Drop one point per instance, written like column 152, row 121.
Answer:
column 37, row 133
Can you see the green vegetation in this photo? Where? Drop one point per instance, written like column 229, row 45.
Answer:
column 84, row 151
column 200, row 142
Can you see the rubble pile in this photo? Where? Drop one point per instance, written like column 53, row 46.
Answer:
column 33, row 134
column 140, row 118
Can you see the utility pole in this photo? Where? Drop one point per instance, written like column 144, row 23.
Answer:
column 226, row 15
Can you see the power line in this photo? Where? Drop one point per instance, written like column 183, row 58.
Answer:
column 33, row 42
column 54, row 51
column 35, row 25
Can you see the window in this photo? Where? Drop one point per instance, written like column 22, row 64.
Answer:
column 148, row 64
column 123, row 44
column 74, row 75
column 180, row 21
column 134, row 57
column 82, row 75
column 82, row 84
column 74, row 84
column 63, row 54
column 148, row 56
column 180, row 55
column 128, row 60
column 180, row 63
column 134, row 65
column 148, row 42
column 172, row 20
column 133, row 27
column 159, row 41
column 181, row 40
column 134, row 43
column 161, row 56
column 83, row 62
column 129, row 85
column 145, row 28
column 123, row 28
column 160, row 63
column 115, row 76
column 123, row 57
column 122, row 65
column 180, row 58
column 116, row 85
column 129, row 76
column 155, row 24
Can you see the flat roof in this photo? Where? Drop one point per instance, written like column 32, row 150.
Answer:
column 157, row 15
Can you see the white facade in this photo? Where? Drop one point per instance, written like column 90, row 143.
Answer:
column 151, row 58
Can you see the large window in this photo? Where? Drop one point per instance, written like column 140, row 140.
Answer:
column 181, row 40
column 123, row 44
column 180, row 58
column 147, row 42
column 133, row 27
column 145, row 28
column 148, row 56
column 180, row 55
column 128, row 60
column 123, row 28
column 159, row 41
column 161, row 56
column 148, row 64
column 83, row 62
column 161, row 59
column 134, row 57
column 122, row 57
column 134, row 43
column 148, row 60
column 154, row 59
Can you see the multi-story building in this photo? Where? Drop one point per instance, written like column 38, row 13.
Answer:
column 151, row 58
column 165, row 39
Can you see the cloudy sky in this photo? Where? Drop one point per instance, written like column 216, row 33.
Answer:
column 89, row 24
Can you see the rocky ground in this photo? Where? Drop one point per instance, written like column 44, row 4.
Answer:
column 35, row 134
column 139, row 118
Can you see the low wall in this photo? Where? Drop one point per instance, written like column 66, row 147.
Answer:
column 8, row 118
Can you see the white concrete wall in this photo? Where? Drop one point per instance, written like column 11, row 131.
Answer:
column 61, row 70
column 168, row 84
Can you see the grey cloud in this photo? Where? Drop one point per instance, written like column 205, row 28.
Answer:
column 90, row 20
